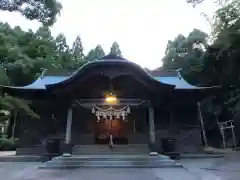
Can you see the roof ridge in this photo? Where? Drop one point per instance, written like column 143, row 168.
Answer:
column 112, row 56
column 157, row 72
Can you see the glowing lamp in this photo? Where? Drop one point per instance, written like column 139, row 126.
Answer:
column 111, row 99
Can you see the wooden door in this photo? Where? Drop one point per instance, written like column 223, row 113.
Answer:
column 117, row 127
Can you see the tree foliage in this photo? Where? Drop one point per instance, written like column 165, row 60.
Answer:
column 24, row 55
column 95, row 53
column 44, row 11
column 212, row 60
column 77, row 50
column 115, row 50
column 196, row 2
column 9, row 103
column 187, row 54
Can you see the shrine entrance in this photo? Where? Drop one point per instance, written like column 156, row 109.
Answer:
column 118, row 128
column 111, row 121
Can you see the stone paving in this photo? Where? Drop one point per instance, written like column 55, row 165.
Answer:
column 194, row 169
column 7, row 153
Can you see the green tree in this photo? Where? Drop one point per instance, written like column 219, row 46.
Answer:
column 187, row 54
column 115, row 50
column 221, row 62
column 222, row 56
column 77, row 50
column 95, row 53
column 44, row 11
column 63, row 56
column 4, row 80
column 61, row 44
column 196, row 2
column 12, row 106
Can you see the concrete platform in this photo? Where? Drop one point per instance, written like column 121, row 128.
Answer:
column 200, row 156
column 20, row 159
column 10, row 156
column 193, row 170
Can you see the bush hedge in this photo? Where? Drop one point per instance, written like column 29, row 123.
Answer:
column 7, row 144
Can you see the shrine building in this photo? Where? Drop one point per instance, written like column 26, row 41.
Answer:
column 111, row 96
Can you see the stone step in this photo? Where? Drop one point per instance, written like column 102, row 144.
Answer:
column 107, row 162
column 112, row 166
column 35, row 150
column 123, row 161
column 201, row 156
column 20, row 158
column 117, row 149
column 121, row 157
column 79, row 152
column 117, row 146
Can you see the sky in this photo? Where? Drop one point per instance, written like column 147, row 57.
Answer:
column 141, row 27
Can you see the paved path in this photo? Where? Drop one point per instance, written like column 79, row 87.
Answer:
column 104, row 174
column 193, row 170
column 215, row 169
column 7, row 153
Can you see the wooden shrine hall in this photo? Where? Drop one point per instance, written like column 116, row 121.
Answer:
column 111, row 96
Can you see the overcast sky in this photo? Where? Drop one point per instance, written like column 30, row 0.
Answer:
column 141, row 27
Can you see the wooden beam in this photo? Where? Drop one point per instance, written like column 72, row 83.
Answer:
column 102, row 102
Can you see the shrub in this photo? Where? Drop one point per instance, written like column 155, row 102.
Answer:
column 7, row 144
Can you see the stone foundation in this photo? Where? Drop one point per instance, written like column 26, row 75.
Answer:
column 34, row 150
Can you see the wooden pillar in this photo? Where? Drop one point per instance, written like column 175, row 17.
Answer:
column 152, row 132
column 171, row 118
column 202, row 125
column 151, row 125
column 69, row 126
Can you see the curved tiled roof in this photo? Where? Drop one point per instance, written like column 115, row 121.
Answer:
column 109, row 62
column 178, row 81
column 42, row 82
column 167, row 77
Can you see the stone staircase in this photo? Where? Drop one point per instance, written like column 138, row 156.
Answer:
column 101, row 156
column 110, row 161
column 21, row 158
column 117, row 149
